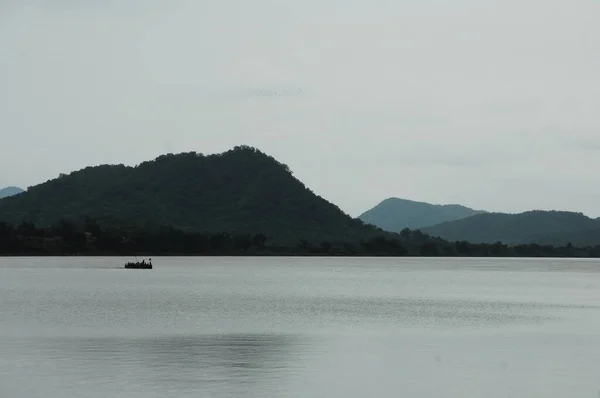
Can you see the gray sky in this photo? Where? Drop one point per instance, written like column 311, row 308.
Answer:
column 491, row 104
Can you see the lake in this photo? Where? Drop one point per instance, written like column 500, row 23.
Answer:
column 299, row 327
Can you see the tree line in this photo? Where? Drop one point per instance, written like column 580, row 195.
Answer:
column 67, row 237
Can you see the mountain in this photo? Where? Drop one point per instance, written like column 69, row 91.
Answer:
column 10, row 191
column 395, row 214
column 542, row 227
column 242, row 190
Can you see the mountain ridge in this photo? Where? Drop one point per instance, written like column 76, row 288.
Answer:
column 244, row 190
column 240, row 190
column 394, row 214
column 552, row 227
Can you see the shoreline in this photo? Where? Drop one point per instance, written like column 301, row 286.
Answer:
column 308, row 255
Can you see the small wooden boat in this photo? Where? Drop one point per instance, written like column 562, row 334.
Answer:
column 139, row 264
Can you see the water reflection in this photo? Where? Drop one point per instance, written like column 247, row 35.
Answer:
column 227, row 365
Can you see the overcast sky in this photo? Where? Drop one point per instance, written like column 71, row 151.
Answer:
column 491, row 104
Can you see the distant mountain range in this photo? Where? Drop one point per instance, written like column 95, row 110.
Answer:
column 542, row 227
column 246, row 191
column 10, row 191
column 395, row 214
column 460, row 223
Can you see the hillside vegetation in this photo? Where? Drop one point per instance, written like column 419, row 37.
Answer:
column 542, row 227
column 242, row 191
column 245, row 202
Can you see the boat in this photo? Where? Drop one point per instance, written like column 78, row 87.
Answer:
column 139, row 264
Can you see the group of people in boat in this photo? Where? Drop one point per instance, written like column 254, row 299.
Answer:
column 139, row 264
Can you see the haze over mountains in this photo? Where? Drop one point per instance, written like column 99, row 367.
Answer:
column 10, row 191
column 395, row 214
column 460, row 223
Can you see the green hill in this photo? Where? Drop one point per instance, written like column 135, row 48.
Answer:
column 395, row 214
column 542, row 227
column 10, row 191
column 242, row 191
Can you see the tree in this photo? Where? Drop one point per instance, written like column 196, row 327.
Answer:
column 462, row 248
column 259, row 240
column 325, row 246
column 242, row 241
column 429, row 249
column 91, row 225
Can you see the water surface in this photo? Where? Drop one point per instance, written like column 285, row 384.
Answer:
column 299, row 327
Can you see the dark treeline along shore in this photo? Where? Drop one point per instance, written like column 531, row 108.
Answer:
column 88, row 238
column 240, row 202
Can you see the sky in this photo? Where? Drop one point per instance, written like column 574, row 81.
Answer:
column 490, row 104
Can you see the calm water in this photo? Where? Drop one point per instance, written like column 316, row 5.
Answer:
column 293, row 327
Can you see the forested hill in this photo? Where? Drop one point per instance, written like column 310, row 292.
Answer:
column 395, row 214
column 241, row 190
column 541, row 227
